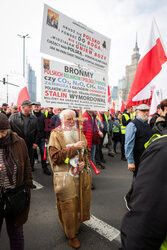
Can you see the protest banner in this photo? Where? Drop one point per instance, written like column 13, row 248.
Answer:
column 66, row 86
column 69, row 40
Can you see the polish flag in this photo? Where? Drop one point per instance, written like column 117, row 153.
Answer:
column 112, row 110
column 109, row 94
column 22, row 96
column 154, row 104
column 122, row 105
column 151, row 70
column 113, row 104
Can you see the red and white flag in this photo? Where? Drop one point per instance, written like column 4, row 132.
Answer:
column 112, row 110
column 109, row 94
column 154, row 104
column 122, row 105
column 151, row 69
column 22, row 96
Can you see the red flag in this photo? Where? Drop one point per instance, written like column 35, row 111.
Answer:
column 22, row 96
column 109, row 94
column 112, row 111
column 149, row 69
column 122, row 105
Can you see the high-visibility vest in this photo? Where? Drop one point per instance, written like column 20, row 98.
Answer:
column 115, row 129
column 133, row 115
column 99, row 122
column 46, row 113
column 164, row 245
column 122, row 126
column 153, row 138
column 106, row 118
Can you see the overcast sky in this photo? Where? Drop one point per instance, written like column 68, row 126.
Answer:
column 117, row 19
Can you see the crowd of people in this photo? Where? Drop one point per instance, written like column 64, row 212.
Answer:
column 72, row 148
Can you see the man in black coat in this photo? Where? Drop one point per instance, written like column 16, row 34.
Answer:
column 43, row 134
column 25, row 125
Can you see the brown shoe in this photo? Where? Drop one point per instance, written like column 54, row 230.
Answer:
column 74, row 242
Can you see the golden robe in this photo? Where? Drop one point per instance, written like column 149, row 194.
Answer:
column 66, row 186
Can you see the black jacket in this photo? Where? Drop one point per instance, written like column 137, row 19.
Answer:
column 153, row 119
column 17, row 125
column 145, row 226
column 42, row 129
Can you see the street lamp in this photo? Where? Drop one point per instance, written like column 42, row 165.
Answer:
column 26, row 36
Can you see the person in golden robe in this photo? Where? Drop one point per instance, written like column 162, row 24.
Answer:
column 64, row 146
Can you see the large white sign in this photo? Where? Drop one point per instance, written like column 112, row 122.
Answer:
column 66, row 86
column 71, row 41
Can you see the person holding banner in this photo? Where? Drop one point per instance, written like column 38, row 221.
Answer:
column 64, row 147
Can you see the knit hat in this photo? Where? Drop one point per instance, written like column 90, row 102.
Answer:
column 4, row 122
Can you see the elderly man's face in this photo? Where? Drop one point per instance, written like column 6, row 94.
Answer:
column 143, row 114
column 69, row 120
column 3, row 133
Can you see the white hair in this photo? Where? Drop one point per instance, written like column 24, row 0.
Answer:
column 65, row 112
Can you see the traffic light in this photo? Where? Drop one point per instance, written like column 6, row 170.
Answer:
column 4, row 80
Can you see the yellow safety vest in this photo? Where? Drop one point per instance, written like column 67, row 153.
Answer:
column 98, row 121
column 154, row 138
column 106, row 118
column 115, row 129
column 46, row 114
column 133, row 115
column 122, row 126
column 164, row 245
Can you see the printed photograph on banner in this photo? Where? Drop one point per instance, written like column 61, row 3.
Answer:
column 67, row 39
column 52, row 19
column 69, row 86
column 46, row 64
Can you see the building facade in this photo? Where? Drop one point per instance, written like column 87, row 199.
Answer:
column 31, row 83
column 130, row 72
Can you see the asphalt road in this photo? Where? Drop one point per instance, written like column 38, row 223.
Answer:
column 43, row 231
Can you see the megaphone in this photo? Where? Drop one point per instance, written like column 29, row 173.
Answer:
column 44, row 155
column 94, row 167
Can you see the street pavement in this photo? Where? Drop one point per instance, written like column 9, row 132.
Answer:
column 43, row 231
